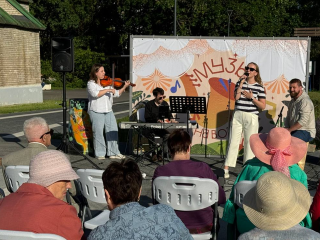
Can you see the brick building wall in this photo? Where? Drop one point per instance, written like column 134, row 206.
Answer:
column 6, row 6
column 19, row 57
column 20, row 69
column 25, row 6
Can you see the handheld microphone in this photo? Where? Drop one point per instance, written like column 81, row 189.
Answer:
column 246, row 74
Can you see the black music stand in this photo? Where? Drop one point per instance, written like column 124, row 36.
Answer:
column 164, row 113
column 195, row 105
column 205, row 128
column 279, row 118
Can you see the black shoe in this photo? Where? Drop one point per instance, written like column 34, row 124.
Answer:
column 154, row 158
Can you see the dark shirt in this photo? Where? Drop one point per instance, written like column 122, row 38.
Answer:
column 188, row 168
column 151, row 114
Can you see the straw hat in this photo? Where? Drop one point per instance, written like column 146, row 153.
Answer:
column 49, row 167
column 278, row 138
column 276, row 202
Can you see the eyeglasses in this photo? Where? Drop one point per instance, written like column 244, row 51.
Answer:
column 51, row 133
column 251, row 69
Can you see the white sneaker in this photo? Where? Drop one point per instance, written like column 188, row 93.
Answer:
column 226, row 174
column 119, row 156
column 100, row 158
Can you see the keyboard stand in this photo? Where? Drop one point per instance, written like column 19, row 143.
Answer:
column 140, row 157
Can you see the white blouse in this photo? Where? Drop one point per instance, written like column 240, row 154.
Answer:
column 101, row 104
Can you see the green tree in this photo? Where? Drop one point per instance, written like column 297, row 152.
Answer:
column 102, row 28
column 309, row 11
column 66, row 18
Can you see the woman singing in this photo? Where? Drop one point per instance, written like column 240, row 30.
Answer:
column 250, row 96
column 101, row 114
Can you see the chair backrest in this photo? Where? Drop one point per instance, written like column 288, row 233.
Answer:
column 140, row 115
column 185, row 193
column 2, row 194
column 17, row 175
column 91, row 185
column 17, row 235
column 240, row 190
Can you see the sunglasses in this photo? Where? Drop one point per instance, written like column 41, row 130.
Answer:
column 160, row 98
column 50, row 132
column 251, row 69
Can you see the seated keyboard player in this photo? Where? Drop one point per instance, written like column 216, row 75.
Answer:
column 152, row 116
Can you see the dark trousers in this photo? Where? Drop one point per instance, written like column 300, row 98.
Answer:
column 302, row 134
column 163, row 134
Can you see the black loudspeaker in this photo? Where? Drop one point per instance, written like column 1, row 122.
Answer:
column 62, row 54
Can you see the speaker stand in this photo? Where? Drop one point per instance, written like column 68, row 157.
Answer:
column 65, row 143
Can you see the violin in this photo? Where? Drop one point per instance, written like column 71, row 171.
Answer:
column 117, row 82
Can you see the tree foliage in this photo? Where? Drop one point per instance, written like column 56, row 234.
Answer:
column 103, row 27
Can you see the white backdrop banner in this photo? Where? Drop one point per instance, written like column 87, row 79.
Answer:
column 198, row 66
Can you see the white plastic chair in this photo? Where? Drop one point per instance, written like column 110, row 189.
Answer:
column 18, row 235
column 17, row 175
column 91, row 187
column 2, row 194
column 240, row 190
column 140, row 115
column 188, row 194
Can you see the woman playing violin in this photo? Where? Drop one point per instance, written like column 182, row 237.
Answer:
column 101, row 114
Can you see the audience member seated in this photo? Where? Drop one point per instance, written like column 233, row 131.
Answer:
column 315, row 211
column 37, row 205
column 179, row 145
column 275, row 206
column 276, row 151
column 128, row 219
column 38, row 135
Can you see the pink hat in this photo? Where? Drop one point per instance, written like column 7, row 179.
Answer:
column 278, row 146
column 49, row 167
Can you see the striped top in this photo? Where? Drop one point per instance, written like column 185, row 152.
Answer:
column 245, row 104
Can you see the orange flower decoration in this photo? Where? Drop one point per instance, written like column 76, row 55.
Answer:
column 277, row 85
column 156, row 79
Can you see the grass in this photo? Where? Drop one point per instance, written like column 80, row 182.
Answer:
column 315, row 97
column 46, row 105
column 68, row 88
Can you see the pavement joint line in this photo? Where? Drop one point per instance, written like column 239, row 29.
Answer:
column 20, row 134
column 56, row 111
column 117, row 113
column 119, row 103
column 30, row 114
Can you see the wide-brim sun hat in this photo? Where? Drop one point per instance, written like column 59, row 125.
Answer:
column 276, row 202
column 49, row 167
column 279, row 138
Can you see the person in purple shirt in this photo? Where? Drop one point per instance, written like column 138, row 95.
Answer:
column 179, row 145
